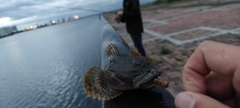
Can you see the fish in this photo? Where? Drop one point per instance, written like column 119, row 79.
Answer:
column 121, row 72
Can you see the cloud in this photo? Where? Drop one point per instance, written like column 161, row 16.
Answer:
column 6, row 21
column 23, row 11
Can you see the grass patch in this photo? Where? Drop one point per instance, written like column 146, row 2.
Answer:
column 179, row 59
column 155, row 62
column 166, row 41
column 153, row 53
column 165, row 50
column 237, row 37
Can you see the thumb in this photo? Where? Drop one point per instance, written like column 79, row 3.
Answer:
column 195, row 100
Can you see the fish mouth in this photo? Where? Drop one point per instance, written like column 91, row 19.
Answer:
column 146, row 77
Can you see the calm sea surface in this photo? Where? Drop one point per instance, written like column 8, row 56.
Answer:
column 44, row 68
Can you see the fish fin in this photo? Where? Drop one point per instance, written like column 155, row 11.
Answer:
column 160, row 82
column 96, row 86
column 112, row 49
column 135, row 53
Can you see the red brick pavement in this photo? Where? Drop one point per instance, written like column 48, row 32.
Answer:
column 229, row 19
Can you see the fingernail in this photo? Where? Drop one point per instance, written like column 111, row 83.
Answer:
column 185, row 101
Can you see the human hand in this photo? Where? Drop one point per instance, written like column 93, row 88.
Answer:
column 118, row 16
column 119, row 13
column 211, row 77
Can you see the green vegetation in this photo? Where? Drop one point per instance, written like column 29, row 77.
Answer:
column 166, row 41
column 165, row 50
column 155, row 62
column 153, row 53
column 237, row 37
column 179, row 59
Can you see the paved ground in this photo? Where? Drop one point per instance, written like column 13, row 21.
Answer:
column 180, row 30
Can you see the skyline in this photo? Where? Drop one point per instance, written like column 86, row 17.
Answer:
column 24, row 13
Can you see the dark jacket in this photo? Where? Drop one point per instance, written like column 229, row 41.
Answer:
column 132, row 16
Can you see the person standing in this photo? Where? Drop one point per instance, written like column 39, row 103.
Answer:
column 131, row 15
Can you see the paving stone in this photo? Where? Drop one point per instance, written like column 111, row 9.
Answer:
column 175, row 74
column 193, row 34
column 224, row 19
column 160, row 15
column 214, row 1
column 127, row 38
column 171, row 61
column 148, row 24
column 172, row 91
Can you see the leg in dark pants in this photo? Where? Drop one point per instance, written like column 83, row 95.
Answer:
column 137, row 40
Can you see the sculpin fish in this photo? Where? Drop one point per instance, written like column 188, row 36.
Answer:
column 121, row 72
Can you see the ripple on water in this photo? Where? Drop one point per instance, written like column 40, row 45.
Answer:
column 45, row 68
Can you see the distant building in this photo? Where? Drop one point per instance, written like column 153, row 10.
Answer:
column 64, row 20
column 4, row 31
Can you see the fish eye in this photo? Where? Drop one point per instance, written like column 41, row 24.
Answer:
column 135, row 64
column 111, row 61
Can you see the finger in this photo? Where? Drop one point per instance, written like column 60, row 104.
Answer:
column 119, row 12
column 115, row 17
column 219, row 86
column 232, row 102
column 195, row 100
column 236, row 82
column 209, row 56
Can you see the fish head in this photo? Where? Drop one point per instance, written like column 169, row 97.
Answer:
column 125, row 72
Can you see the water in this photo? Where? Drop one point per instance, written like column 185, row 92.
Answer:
column 44, row 68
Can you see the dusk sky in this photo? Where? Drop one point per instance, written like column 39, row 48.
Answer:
column 26, row 12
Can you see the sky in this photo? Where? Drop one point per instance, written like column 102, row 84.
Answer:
column 24, row 13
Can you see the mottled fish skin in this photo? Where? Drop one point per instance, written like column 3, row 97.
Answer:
column 121, row 72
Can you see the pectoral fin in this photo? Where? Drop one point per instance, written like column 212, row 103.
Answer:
column 160, row 82
column 112, row 49
column 96, row 86
column 135, row 53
